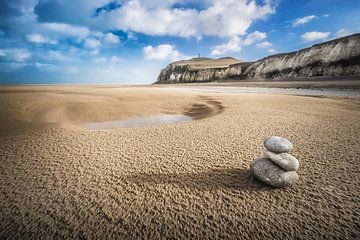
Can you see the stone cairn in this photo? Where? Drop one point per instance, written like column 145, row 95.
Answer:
column 277, row 167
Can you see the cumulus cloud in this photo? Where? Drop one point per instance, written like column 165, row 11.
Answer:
column 57, row 56
column 315, row 36
column 235, row 43
column 220, row 18
column 46, row 67
column 38, row 38
column 163, row 52
column 343, row 32
column 253, row 37
column 11, row 66
column 300, row 21
column 112, row 38
column 92, row 43
column 70, row 54
column 67, row 29
column 14, row 55
column 100, row 59
column 265, row 44
column 109, row 60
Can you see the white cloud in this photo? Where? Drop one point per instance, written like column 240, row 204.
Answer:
column 110, row 60
column 253, row 37
column 112, row 38
column 235, row 43
column 325, row 15
column 92, row 39
column 92, row 43
column 40, row 65
column 94, row 52
column 57, row 56
column 303, row 20
column 131, row 36
column 14, row 54
column 46, row 67
column 71, row 54
column 67, row 30
column 100, row 59
column 115, row 59
column 314, row 36
column 38, row 38
column 11, row 66
column 271, row 50
column 343, row 32
column 265, row 44
column 163, row 52
column 220, row 18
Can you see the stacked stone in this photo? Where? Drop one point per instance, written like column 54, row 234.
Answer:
column 277, row 167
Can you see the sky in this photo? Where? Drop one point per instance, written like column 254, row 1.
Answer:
column 118, row 41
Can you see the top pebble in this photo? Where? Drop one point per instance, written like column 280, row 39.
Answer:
column 278, row 144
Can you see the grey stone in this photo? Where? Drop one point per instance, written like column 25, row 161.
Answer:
column 284, row 160
column 278, row 144
column 270, row 173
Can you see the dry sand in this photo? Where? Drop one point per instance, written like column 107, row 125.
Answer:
column 187, row 180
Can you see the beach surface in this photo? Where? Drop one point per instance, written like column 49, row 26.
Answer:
column 184, row 180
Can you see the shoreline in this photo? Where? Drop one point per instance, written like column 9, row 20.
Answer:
column 337, row 84
column 352, row 82
column 325, row 92
column 332, row 88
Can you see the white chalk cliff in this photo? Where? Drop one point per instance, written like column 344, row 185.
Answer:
column 339, row 57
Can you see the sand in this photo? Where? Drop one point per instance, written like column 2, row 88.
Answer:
column 186, row 180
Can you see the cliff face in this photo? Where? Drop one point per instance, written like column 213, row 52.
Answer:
column 334, row 58
column 339, row 57
column 199, row 70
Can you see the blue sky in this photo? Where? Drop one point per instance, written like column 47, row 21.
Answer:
column 107, row 41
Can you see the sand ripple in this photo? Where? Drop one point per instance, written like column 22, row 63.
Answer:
column 182, row 181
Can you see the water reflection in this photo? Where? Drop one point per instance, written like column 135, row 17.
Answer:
column 153, row 120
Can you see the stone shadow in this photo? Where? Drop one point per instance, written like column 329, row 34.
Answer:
column 228, row 179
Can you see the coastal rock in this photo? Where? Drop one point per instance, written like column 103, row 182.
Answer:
column 284, row 160
column 199, row 70
column 336, row 58
column 278, row 144
column 270, row 173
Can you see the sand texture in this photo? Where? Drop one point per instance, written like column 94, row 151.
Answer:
column 178, row 181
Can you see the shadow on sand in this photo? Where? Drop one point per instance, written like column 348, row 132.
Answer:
column 207, row 108
column 228, row 179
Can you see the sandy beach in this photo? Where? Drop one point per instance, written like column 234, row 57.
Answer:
column 187, row 180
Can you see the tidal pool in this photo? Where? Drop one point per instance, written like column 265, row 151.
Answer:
column 135, row 122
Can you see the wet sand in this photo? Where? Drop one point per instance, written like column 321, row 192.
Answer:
column 313, row 83
column 184, row 180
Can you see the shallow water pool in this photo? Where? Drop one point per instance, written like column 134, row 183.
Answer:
column 159, row 119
